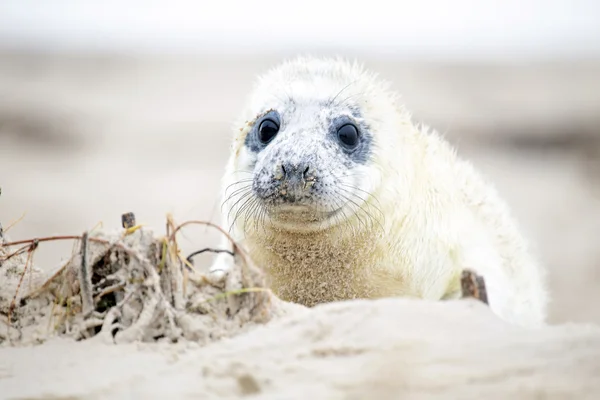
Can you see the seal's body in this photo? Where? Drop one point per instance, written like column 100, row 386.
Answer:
column 338, row 195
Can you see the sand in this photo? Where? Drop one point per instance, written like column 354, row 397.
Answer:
column 84, row 139
column 381, row 349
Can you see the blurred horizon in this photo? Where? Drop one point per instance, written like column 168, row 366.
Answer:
column 426, row 30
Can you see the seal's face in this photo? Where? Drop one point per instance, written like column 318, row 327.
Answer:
column 308, row 148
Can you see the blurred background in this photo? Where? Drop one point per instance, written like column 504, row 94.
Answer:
column 115, row 106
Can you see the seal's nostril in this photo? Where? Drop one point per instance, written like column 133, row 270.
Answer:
column 305, row 172
column 283, row 170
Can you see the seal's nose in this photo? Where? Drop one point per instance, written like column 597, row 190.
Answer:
column 294, row 172
column 295, row 180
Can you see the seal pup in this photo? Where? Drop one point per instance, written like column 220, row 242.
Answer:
column 337, row 195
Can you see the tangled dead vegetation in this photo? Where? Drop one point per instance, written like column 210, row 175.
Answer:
column 124, row 286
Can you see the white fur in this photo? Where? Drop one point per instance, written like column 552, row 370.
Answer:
column 439, row 215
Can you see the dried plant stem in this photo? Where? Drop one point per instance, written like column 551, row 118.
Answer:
column 50, row 280
column 13, row 303
column 237, row 249
column 128, row 220
column 13, row 223
column 44, row 239
column 109, row 290
column 473, row 285
column 206, row 249
column 85, row 279
column 136, row 330
column 75, row 237
column 16, row 253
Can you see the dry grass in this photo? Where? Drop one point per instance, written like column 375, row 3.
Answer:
column 128, row 285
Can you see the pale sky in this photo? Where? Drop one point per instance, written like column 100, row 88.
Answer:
column 454, row 28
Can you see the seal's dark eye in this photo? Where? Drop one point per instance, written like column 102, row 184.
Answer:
column 348, row 135
column 267, row 130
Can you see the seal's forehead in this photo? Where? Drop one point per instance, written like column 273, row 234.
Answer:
column 316, row 70
column 305, row 81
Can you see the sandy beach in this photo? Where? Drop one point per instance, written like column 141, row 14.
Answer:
column 84, row 139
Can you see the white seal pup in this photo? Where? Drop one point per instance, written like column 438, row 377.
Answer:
column 337, row 195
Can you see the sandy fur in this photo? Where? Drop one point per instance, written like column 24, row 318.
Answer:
column 429, row 215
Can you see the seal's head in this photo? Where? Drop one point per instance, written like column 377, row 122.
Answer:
column 308, row 155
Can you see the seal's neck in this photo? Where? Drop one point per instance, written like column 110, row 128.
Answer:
column 314, row 268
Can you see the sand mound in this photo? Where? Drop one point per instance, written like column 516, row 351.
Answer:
column 385, row 349
column 128, row 317
column 126, row 286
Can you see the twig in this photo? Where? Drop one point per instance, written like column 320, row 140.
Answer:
column 163, row 255
column 13, row 223
column 85, row 325
column 171, row 227
column 50, row 280
column 128, row 220
column 236, row 247
column 13, row 303
column 136, row 330
column 44, row 239
column 109, row 290
column 16, row 253
column 108, row 325
column 189, row 258
column 118, row 245
column 473, row 285
column 85, row 279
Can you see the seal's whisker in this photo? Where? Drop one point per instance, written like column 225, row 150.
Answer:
column 345, row 99
column 340, row 92
column 256, row 215
column 242, row 198
column 264, row 216
column 240, row 210
column 236, row 193
column 372, row 195
column 364, row 207
column 373, row 212
column 250, row 212
column 341, row 209
column 236, row 183
column 257, row 218
column 349, row 203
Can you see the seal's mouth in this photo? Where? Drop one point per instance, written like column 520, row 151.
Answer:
column 302, row 211
column 301, row 215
